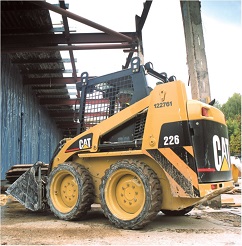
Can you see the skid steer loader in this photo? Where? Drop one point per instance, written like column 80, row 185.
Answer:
column 139, row 151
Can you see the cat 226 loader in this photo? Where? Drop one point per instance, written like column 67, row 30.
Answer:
column 139, row 151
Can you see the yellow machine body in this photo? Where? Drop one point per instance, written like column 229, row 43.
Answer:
column 140, row 151
column 166, row 103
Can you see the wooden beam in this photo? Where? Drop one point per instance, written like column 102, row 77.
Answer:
column 36, row 39
column 196, row 56
column 50, row 81
column 65, row 114
column 20, row 61
column 144, row 15
column 46, row 71
column 66, row 47
column 83, row 20
column 61, row 101
column 66, row 125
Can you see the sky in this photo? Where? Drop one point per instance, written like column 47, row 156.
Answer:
column 223, row 39
column 163, row 40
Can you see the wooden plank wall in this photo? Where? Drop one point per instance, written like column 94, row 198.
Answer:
column 27, row 132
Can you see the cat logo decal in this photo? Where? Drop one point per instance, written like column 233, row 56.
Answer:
column 221, row 153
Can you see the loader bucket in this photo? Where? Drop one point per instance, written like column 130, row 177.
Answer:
column 27, row 189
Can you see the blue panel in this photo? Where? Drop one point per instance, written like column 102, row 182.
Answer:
column 27, row 132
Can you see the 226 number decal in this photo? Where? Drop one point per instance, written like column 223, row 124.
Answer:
column 171, row 140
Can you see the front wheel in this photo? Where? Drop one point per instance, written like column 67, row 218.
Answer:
column 70, row 191
column 130, row 194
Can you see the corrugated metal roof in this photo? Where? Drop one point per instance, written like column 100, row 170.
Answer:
column 27, row 18
column 31, row 42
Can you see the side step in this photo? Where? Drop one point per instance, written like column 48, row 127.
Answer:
column 29, row 188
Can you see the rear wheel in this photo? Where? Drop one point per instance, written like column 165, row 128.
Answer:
column 70, row 191
column 130, row 194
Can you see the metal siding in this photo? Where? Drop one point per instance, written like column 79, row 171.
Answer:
column 27, row 132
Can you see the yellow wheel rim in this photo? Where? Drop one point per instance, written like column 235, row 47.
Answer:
column 64, row 191
column 125, row 194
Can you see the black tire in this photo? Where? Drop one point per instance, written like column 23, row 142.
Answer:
column 70, row 191
column 130, row 194
column 177, row 212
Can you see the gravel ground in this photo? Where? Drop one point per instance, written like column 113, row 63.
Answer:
column 202, row 226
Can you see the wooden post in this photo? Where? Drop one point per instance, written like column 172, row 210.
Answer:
column 196, row 57
column 140, row 50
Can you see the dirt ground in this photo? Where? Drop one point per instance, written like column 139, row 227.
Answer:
column 202, row 226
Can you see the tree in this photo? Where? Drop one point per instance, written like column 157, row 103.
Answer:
column 232, row 107
column 232, row 112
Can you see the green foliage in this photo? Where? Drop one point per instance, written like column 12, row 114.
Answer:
column 217, row 105
column 232, row 107
column 232, row 112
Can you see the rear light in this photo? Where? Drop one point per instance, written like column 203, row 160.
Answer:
column 204, row 112
column 203, row 170
column 214, row 186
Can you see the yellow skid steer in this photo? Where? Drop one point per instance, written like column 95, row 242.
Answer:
column 138, row 151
